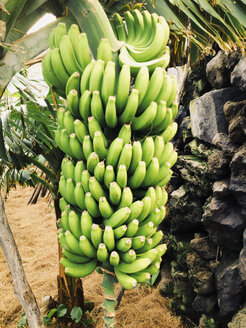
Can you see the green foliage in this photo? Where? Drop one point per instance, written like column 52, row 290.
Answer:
column 22, row 322
column 76, row 314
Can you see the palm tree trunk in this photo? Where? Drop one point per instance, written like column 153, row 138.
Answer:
column 22, row 288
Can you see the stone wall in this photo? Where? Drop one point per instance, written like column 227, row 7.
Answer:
column 205, row 226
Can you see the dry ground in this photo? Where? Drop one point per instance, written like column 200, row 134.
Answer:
column 34, row 230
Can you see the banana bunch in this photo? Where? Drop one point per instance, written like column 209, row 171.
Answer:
column 116, row 129
column 145, row 36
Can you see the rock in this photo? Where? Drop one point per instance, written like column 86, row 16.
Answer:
column 221, row 188
column 203, row 282
column 242, row 265
column 218, row 165
column 219, row 68
column 238, row 176
column 207, row 322
column 205, row 247
column 198, row 149
column 239, row 319
column 207, row 115
column 244, row 238
column 224, row 222
column 204, row 303
column 238, row 75
column 235, row 113
column 230, row 289
column 196, row 263
column 223, row 142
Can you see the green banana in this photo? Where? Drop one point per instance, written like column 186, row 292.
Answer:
column 74, row 257
column 84, row 56
column 160, row 114
column 120, row 231
column 85, row 176
column 79, row 196
column 129, row 19
column 108, row 81
column 80, row 130
column 105, row 208
column 73, row 243
column 99, row 171
column 94, row 126
column 91, row 205
column 128, row 256
column 131, row 107
column 102, row 253
column 92, row 162
column 73, row 103
column 86, row 224
column 76, row 147
column 78, row 169
column 153, row 218
column 62, row 204
column 73, row 34
column 96, row 75
column 85, row 78
column 125, row 133
column 125, row 156
column 142, row 82
column 151, row 254
column 161, row 216
column 148, row 150
column 158, row 192
column 151, row 172
column 108, row 238
column 110, row 112
column 145, row 209
column 146, row 230
column 126, row 197
column 136, row 266
column 156, row 238
column 145, row 120
column 62, row 187
column 109, row 175
column 114, row 152
column 136, row 209
column 167, row 151
column 146, row 246
column 132, row 228
column 166, row 89
column 173, row 93
column 68, row 55
column 87, row 146
column 153, row 268
column 161, row 249
column 138, row 242
column 70, row 191
column 73, row 83
column 139, row 25
column 141, row 277
column 124, row 244
column 60, row 116
column 97, row 110
column 74, row 224
column 153, row 90
column 96, row 235
column 170, row 132
column 49, row 73
column 68, row 123
column 82, row 270
column 121, row 177
column 67, row 168
column 165, row 181
column 104, row 51
column 126, row 281
column 114, row 193
column 136, row 179
column 60, row 30
column 118, row 218
column 114, row 258
column 58, row 66
column 173, row 158
column 86, row 247
column 119, row 27
column 98, row 145
column 123, row 87
column 166, row 122
column 64, row 221
column 164, row 196
column 84, row 105
column 159, row 147
column 95, row 188
column 52, row 39
column 136, row 156
column 175, row 109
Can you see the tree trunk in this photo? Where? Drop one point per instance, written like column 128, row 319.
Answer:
column 21, row 287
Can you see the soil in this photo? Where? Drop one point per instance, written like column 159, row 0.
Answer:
column 34, row 230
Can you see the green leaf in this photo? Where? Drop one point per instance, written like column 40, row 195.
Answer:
column 76, row 314
column 52, row 312
column 61, row 311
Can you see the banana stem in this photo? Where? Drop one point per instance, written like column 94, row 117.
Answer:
column 109, row 299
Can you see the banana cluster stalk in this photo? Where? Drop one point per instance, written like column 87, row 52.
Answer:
column 116, row 131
